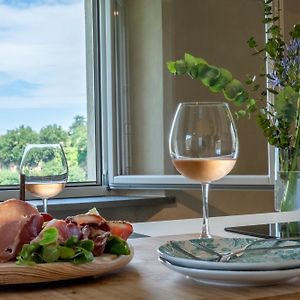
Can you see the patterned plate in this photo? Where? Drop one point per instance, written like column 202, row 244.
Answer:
column 270, row 259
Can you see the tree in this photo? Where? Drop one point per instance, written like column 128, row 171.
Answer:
column 78, row 135
column 53, row 134
column 8, row 177
column 76, row 173
column 13, row 143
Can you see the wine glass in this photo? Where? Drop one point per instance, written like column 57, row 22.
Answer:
column 203, row 145
column 45, row 170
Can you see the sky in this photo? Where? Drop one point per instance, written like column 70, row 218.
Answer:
column 42, row 63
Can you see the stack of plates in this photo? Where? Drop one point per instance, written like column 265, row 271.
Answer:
column 253, row 268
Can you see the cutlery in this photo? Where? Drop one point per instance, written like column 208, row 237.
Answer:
column 224, row 255
column 239, row 252
column 183, row 251
column 207, row 249
column 227, row 256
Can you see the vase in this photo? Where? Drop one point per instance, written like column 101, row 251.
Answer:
column 287, row 179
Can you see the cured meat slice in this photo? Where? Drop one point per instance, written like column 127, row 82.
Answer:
column 83, row 219
column 93, row 227
column 20, row 222
column 65, row 230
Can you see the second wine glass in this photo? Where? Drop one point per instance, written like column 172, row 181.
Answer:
column 45, row 169
column 203, row 145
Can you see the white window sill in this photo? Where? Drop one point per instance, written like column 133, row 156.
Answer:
column 83, row 204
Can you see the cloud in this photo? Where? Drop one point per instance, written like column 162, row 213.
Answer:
column 21, row 4
column 17, row 88
column 42, row 50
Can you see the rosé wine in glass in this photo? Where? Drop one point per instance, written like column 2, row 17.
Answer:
column 45, row 169
column 203, row 145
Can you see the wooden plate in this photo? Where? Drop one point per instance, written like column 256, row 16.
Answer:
column 10, row 273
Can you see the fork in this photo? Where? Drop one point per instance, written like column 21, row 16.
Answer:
column 222, row 257
column 180, row 249
column 226, row 256
column 236, row 253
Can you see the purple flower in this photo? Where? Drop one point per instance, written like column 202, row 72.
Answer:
column 274, row 80
column 287, row 70
column 293, row 47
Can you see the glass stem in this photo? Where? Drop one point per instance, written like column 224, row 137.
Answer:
column 45, row 204
column 205, row 227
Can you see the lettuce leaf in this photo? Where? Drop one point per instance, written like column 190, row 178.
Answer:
column 48, row 249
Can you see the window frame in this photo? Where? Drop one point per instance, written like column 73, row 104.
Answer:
column 94, row 17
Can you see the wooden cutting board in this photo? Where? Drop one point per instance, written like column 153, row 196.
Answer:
column 10, row 273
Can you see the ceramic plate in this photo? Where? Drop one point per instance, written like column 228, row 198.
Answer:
column 250, row 260
column 235, row 278
column 10, row 273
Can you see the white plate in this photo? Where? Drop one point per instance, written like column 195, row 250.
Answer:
column 235, row 278
column 251, row 260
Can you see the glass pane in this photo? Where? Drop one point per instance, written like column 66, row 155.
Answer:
column 43, row 86
column 215, row 30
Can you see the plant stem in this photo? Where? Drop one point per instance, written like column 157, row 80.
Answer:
column 289, row 197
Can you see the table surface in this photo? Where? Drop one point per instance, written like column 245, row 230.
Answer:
column 145, row 278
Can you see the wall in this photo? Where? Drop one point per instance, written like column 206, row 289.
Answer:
column 217, row 31
column 144, row 20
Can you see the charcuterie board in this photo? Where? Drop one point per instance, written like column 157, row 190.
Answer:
column 11, row 273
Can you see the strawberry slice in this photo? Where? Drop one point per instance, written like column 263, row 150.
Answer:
column 122, row 229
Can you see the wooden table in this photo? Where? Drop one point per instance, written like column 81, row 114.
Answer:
column 145, row 278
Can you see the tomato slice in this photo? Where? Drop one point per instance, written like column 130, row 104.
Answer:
column 47, row 217
column 122, row 229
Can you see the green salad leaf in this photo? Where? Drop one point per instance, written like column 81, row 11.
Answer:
column 116, row 245
column 48, row 249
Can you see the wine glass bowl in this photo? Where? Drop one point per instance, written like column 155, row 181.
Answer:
column 203, row 145
column 45, row 169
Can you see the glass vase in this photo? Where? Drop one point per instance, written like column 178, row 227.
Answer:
column 287, row 179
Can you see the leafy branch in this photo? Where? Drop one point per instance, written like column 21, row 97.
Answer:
column 216, row 79
column 279, row 121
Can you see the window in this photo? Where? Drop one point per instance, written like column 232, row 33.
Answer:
column 215, row 30
column 62, row 56
column 47, row 86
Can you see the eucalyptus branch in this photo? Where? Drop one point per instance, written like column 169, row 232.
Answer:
column 279, row 121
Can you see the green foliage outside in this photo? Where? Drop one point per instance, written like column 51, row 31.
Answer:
column 74, row 142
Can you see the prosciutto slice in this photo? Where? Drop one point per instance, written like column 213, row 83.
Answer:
column 93, row 227
column 65, row 230
column 20, row 222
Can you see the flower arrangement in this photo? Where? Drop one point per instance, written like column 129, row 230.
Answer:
column 280, row 118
